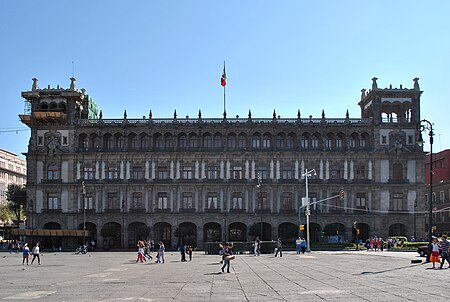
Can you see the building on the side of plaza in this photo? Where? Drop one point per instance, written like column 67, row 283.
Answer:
column 441, row 190
column 196, row 177
column 13, row 170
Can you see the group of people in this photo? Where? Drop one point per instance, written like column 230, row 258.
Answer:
column 445, row 255
column 35, row 252
column 145, row 249
column 185, row 249
column 300, row 245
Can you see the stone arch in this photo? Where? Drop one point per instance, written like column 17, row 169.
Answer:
column 212, row 232
column 168, row 141
column 364, row 231
column 62, row 107
column 232, row 141
column 133, row 141
column 118, row 141
column 291, row 140
column 266, row 231
column 217, row 140
column 397, row 229
column 335, row 229
column 207, row 140
column 287, row 231
column 281, row 141
column 186, row 233
column 43, row 106
column 52, row 226
column 193, row 140
column 91, row 228
column 82, row 141
column 143, row 141
column 305, row 140
column 137, row 231
column 242, row 140
column 315, row 232
column 112, row 235
column 182, row 140
column 94, row 141
column 237, row 232
column 108, row 141
column 158, row 142
column 162, row 231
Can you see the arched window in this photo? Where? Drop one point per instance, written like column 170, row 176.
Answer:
column 315, row 141
column 231, row 141
column 266, row 141
column 217, row 140
column 168, row 140
column 158, row 141
column 290, row 141
column 242, row 141
column 280, row 141
column 256, row 141
column 304, row 143
column 340, row 141
column 108, row 141
column 182, row 141
column 207, row 141
column 193, row 140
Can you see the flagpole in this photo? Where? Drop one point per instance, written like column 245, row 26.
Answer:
column 224, row 107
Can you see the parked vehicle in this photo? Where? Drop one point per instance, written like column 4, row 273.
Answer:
column 423, row 251
column 81, row 249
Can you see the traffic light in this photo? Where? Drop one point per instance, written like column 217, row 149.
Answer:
column 341, row 195
column 302, row 227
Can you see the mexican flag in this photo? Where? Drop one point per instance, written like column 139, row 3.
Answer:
column 223, row 79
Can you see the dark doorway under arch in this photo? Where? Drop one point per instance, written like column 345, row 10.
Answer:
column 187, row 234
column 237, row 232
column 112, row 235
column 163, row 232
column 212, row 232
column 137, row 231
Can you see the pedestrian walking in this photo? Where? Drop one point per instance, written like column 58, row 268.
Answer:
column 279, row 248
column 434, row 258
column 189, row 252
column 303, row 245
column 36, row 253
column 298, row 244
column 183, row 252
column 26, row 252
column 445, row 251
column 140, row 254
column 227, row 256
column 161, row 250
column 256, row 247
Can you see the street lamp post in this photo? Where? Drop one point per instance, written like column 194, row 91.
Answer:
column 83, row 194
column 423, row 126
column 308, row 174
column 258, row 185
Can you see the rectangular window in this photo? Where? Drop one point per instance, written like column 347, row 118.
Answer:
column 187, row 202
column 263, row 173
column 287, row 172
column 65, row 141
column 262, row 201
column 137, row 173
column 112, row 201
column 255, row 142
column 52, row 201
column 162, row 172
column 361, row 200
column 238, row 173
column 384, row 140
column 52, row 172
column 40, row 140
column 336, row 173
column 442, row 196
column 286, row 201
column 360, row 172
column 112, row 173
column 212, row 201
column 162, row 200
column 186, row 173
column 88, row 202
column 410, row 140
column 137, row 202
column 237, row 200
column 88, row 173
column 213, row 172
column 397, row 202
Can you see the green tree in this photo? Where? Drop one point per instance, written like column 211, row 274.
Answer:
column 5, row 214
column 17, row 197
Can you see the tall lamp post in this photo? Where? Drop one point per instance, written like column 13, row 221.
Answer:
column 83, row 194
column 258, row 185
column 308, row 173
column 423, row 126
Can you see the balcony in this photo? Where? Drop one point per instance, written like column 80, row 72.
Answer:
column 187, row 210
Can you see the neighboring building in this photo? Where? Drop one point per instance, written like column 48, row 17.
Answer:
column 198, row 176
column 441, row 190
column 13, row 170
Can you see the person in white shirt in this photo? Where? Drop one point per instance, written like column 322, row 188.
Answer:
column 35, row 253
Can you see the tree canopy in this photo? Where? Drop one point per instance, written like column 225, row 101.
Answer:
column 17, row 200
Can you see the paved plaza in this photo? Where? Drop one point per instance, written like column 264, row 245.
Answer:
column 318, row 276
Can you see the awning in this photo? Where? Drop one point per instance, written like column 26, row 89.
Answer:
column 50, row 233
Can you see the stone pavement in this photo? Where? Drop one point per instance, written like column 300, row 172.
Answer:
column 318, row 276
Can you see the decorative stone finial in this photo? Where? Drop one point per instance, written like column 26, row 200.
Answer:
column 150, row 114
column 274, row 114
column 35, row 84
column 346, row 114
column 363, row 93
column 416, row 84
column 298, row 114
column 374, row 83
column 72, row 83
column 249, row 114
column 224, row 115
column 199, row 114
column 323, row 114
column 101, row 114
column 125, row 114
column 175, row 114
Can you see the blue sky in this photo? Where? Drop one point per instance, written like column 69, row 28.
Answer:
column 167, row 55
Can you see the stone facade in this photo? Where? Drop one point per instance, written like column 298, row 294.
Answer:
column 13, row 170
column 196, row 178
